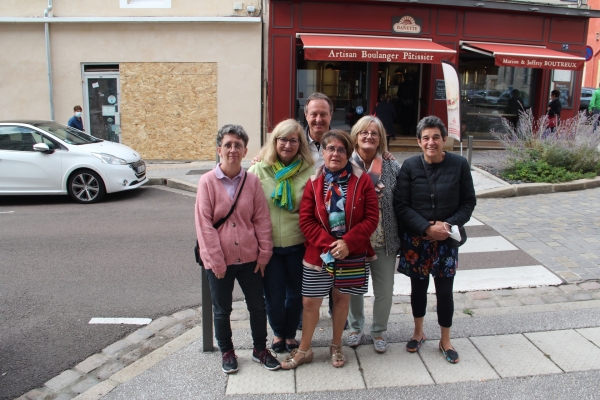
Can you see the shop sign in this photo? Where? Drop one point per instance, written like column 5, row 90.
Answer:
column 408, row 56
column 407, row 25
column 544, row 63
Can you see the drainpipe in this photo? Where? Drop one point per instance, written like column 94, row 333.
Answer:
column 49, row 59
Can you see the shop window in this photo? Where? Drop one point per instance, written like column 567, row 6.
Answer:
column 345, row 83
column 491, row 92
column 145, row 3
column 562, row 80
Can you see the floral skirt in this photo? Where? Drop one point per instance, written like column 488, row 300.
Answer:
column 426, row 257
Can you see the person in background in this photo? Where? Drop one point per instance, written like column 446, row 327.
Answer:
column 75, row 121
column 338, row 215
column 594, row 107
column 554, row 109
column 367, row 136
column 284, row 170
column 513, row 106
column 426, row 219
column 239, row 249
column 385, row 111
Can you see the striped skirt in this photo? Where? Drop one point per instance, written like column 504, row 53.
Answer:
column 319, row 283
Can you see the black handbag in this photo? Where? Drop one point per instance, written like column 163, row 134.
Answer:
column 461, row 229
column 218, row 224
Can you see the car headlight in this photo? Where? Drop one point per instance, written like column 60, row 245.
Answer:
column 110, row 159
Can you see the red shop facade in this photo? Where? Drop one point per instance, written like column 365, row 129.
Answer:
column 355, row 52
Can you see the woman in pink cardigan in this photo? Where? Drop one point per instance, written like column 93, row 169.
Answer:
column 239, row 249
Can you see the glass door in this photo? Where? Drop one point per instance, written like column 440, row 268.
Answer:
column 102, row 97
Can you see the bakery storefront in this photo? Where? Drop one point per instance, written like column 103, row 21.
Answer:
column 355, row 52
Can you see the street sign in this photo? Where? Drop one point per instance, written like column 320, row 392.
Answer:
column 589, row 53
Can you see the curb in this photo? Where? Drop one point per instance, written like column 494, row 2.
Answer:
column 504, row 191
column 528, row 189
column 173, row 183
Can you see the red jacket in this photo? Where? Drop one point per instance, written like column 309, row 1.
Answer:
column 362, row 216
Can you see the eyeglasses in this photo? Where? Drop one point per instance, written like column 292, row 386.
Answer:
column 364, row 134
column 332, row 149
column 229, row 146
column 284, row 141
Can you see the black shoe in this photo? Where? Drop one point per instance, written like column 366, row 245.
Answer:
column 230, row 364
column 278, row 347
column 449, row 354
column 291, row 346
column 265, row 357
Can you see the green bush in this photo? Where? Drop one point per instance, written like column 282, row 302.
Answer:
column 540, row 171
column 534, row 154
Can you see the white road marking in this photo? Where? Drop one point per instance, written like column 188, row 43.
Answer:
column 486, row 279
column 6, row 212
column 486, row 244
column 474, row 222
column 126, row 321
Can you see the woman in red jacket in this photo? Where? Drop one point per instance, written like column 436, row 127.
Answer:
column 338, row 214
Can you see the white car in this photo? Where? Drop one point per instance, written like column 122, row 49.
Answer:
column 44, row 157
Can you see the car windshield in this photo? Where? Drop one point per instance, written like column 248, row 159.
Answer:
column 67, row 134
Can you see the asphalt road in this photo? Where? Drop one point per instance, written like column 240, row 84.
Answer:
column 62, row 264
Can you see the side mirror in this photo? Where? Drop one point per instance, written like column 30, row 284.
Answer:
column 42, row 148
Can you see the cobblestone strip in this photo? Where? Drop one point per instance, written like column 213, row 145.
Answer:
column 102, row 372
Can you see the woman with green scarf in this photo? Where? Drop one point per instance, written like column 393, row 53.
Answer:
column 284, row 170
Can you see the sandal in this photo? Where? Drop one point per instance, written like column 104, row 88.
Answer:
column 290, row 362
column 414, row 345
column 338, row 359
column 451, row 355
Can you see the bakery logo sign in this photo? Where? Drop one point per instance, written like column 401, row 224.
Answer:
column 406, row 25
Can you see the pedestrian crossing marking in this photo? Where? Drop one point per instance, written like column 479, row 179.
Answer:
column 486, row 244
column 486, row 279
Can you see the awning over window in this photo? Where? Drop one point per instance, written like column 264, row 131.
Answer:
column 522, row 56
column 374, row 49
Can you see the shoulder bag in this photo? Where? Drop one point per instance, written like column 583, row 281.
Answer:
column 461, row 229
column 218, row 224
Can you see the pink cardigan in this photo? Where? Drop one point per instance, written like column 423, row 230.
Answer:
column 245, row 236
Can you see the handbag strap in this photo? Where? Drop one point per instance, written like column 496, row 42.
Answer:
column 222, row 220
column 430, row 188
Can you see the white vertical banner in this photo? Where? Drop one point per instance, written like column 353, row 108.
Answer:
column 452, row 98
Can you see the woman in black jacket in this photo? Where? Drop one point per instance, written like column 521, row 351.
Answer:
column 426, row 221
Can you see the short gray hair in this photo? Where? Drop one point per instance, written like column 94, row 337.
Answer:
column 431, row 121
column 318, row 96
column 229, row 129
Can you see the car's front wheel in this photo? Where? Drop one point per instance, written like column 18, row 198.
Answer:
column 86, row 186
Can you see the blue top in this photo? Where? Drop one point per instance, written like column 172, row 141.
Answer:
column 76, row 123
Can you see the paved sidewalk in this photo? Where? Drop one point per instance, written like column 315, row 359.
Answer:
column 498, row 334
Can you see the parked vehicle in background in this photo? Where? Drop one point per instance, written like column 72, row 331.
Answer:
column 484, row 97
column 586, row 96
column 506, row 95
column 44, row 157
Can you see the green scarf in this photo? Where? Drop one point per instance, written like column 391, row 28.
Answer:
column 283, row 195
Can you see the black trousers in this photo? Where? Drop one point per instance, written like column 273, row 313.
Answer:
column 222, row 298
column 443, row 293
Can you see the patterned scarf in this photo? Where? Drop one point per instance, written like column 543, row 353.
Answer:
column 283, row 194
column 335, row 199
column 374, row 170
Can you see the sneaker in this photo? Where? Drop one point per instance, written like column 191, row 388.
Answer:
column 230, row 364
column 380, row 345
column 266, row 358
column 354, row 339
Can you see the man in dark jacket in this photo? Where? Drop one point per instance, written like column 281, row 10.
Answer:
column 76, row 121
column 553, row 110
column 385, row 111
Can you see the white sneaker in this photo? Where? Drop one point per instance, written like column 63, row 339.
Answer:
column 380, row 346
column 354, row 339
